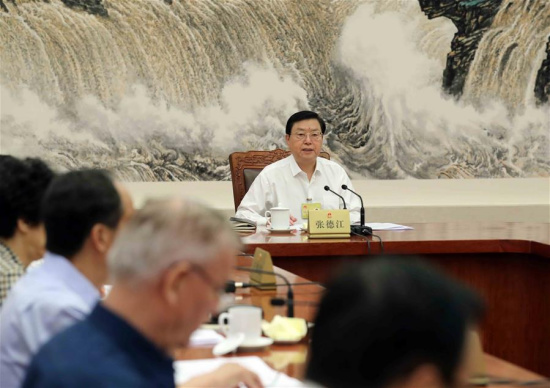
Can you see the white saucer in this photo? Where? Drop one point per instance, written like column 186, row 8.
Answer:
column 283, row 230
column 288, row 342
column 228, row 345
column 257, row 343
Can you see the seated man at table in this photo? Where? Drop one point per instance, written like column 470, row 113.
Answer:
column 22, row 235
column 299, row 178
column 168, row 268
column 82, row 212
column 394, row 323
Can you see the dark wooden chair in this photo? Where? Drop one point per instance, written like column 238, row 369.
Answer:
column 245, row 167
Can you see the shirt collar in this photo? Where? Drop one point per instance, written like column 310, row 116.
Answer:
column 63, row 269
column 295, row 169
column 10, row 254
column 148, row 358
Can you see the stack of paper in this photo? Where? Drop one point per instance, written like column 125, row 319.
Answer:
column 387, row 226
column 205, row 337
column 242, row 225
column 186, row 370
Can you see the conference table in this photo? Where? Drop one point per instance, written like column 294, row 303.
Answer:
column 507, row 263
column 291, row 359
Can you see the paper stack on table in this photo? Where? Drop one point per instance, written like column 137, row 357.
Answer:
column 186, row 370
column 387, row 226
column 205, row 337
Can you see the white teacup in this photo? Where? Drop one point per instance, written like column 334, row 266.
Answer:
column 280, row 217
column 242, row 319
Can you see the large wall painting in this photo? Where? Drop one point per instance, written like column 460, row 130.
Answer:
column 160, row 90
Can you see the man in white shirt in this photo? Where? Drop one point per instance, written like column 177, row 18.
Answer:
column 299, row 178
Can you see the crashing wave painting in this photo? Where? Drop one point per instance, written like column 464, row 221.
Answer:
column 165, row 90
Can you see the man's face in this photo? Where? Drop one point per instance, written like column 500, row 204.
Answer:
column 200, row 296
column 35, row 241
column 305, row 140
column 127, row 212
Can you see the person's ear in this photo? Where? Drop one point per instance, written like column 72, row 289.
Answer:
column 173, row 281
column 424, row 376
column 102, row 237
column 23, row 226
column 287, row 138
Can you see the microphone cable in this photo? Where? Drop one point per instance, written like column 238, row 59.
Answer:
column 381, row 242
column 368, row 241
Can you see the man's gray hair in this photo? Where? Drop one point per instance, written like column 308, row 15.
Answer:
column 166, row 231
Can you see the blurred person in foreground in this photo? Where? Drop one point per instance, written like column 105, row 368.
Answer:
column 168, row 268
column 22, row 234
column 83, row 211
column 394, row 323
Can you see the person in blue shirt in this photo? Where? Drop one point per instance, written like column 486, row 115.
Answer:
column 168, row 268
column 82, row 211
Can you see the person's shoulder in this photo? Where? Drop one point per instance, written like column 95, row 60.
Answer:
column 37, row 290
column 84, row 356
column 277, row 165
column 46, row 310
column 326, row 163
column 76, row 344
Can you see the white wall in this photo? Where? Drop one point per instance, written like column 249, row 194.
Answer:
column 403, row 201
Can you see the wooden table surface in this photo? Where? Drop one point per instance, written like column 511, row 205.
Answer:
column 291, row 359
column 507, row 263
column 430, row 238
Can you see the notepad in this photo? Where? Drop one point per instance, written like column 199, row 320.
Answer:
column 205, row 337
column 186, row 370
column 387, row 226
column 242, row 225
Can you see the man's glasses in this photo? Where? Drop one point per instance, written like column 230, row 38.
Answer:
column 220, row 290
column 313, row 136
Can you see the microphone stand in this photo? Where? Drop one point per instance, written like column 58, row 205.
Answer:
column 327, row 188
column 289, row 295
column 361, row 229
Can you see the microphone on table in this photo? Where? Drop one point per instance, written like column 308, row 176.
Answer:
column 283, row 302
column 232, row 286
column 289, row 294
column 335, row 193
column 361, row 229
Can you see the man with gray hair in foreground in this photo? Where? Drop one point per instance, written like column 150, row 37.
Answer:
column 168, row 268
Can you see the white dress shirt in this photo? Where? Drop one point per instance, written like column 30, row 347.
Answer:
column 283, row 183
column 43, row 302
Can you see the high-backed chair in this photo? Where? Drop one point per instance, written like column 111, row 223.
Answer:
column 245, row 167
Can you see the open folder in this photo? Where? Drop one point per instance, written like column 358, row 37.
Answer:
column 242, row 225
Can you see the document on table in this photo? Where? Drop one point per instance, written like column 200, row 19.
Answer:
column 205, row 337
column 387, row 226
column 186, row 370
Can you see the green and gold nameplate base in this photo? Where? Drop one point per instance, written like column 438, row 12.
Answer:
column 262, row 261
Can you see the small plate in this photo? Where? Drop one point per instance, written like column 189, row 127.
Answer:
column 287, row 230
column 258, row 343
column 288, row 342
column 228, row 345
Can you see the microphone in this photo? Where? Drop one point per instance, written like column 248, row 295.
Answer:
column 335, row 193
column 289, row 294
column 283, row 302
column 362, row 229
column 231, row 286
